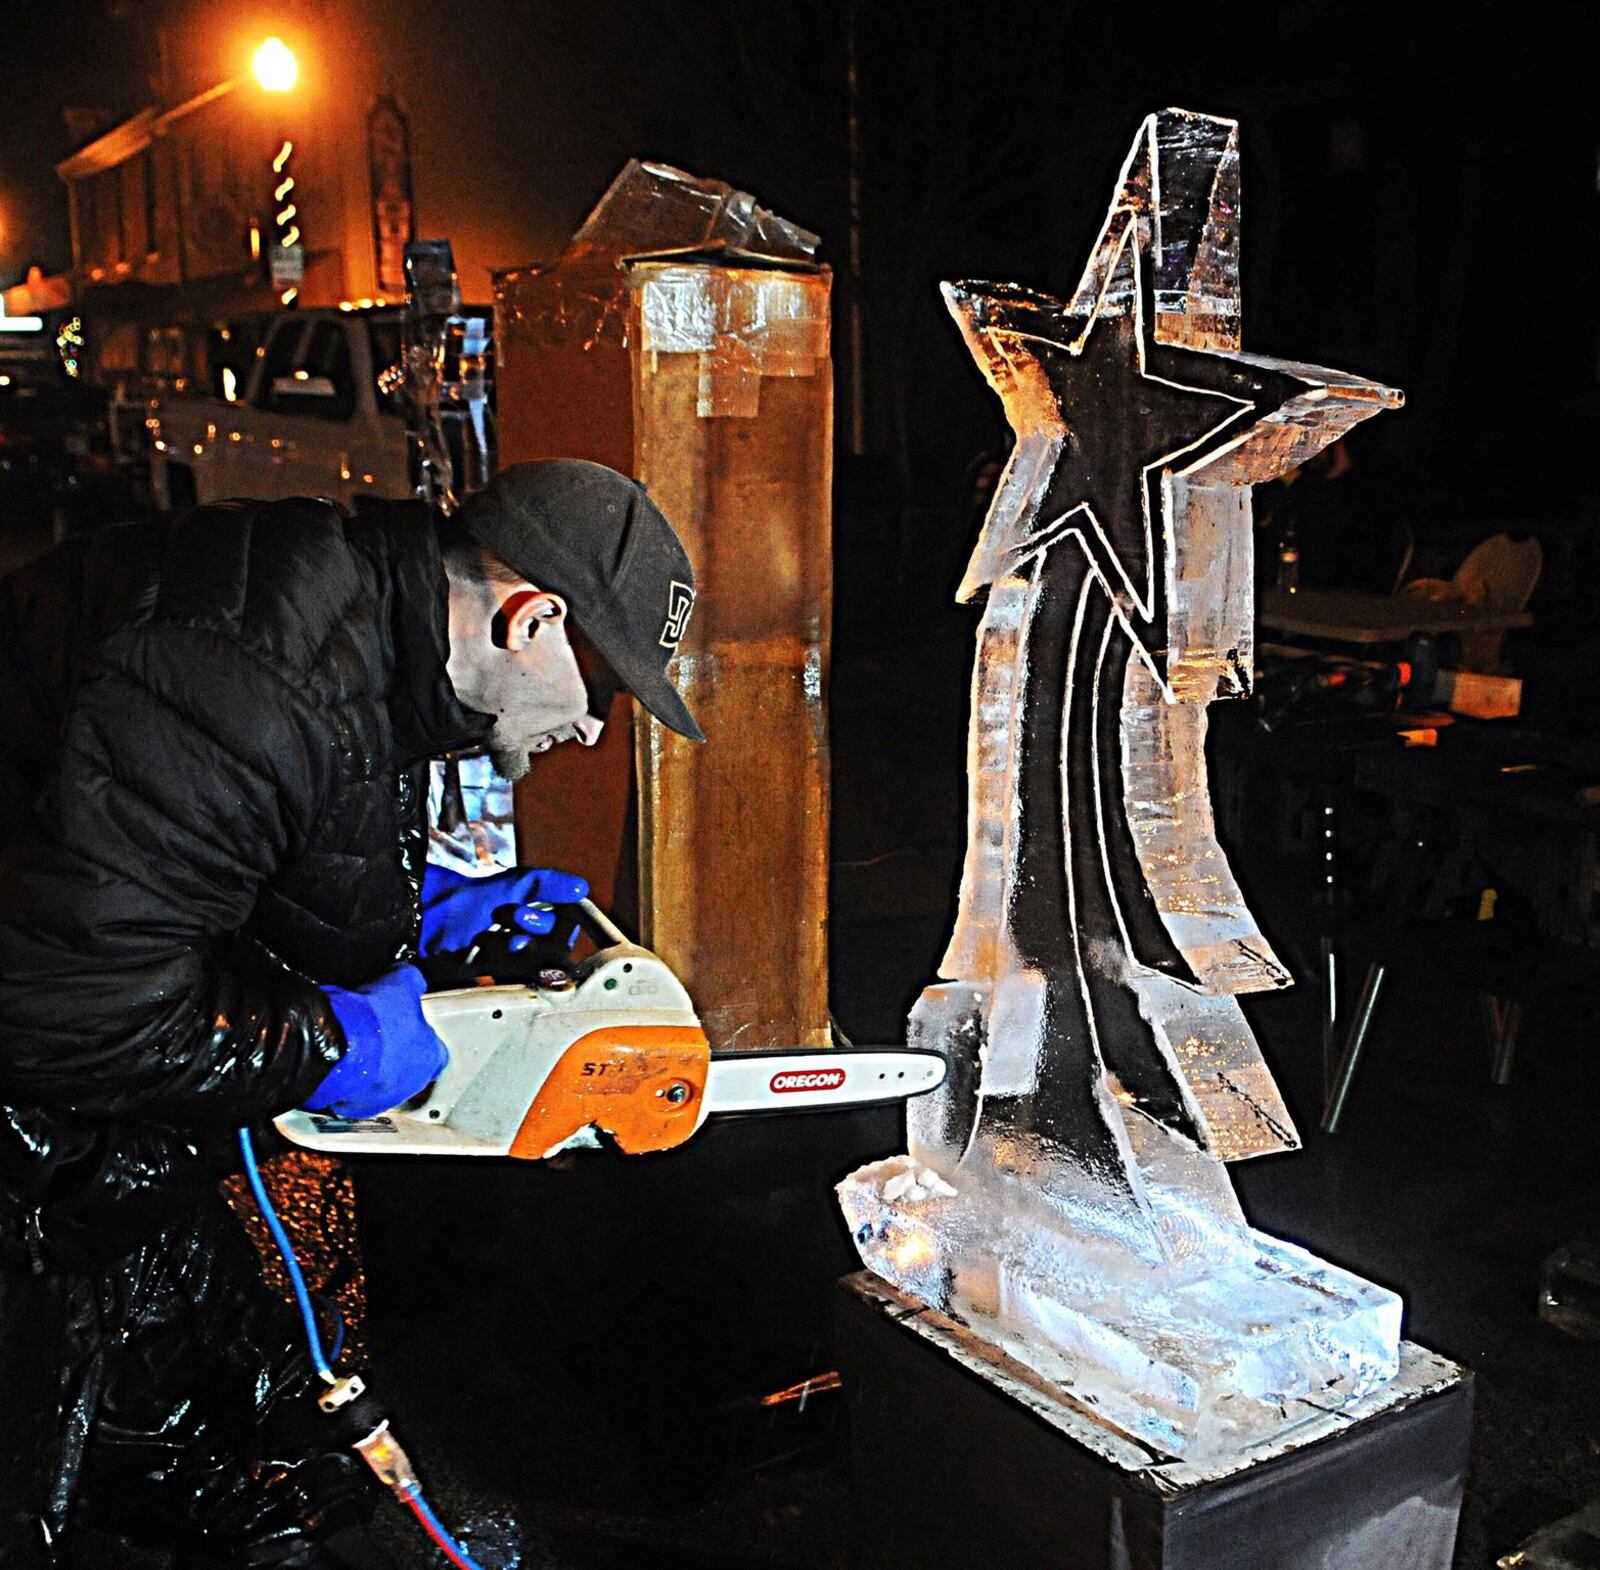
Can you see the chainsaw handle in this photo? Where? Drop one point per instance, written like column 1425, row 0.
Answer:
column 600, row 924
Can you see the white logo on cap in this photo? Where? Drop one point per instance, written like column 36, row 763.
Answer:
column 680, row 601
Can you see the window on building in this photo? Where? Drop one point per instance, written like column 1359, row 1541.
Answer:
column 118, row 353
column 164, row 356
column 151, row 207
column 100, row 219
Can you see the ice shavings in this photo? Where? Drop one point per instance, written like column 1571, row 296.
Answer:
column 913, row 1184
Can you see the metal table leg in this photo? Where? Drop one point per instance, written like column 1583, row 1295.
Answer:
column 1506, row 1015
column 1360, row 1024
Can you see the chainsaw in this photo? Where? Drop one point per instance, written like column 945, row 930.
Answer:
column 611, row 1048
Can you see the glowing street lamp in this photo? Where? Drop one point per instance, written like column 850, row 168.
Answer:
column 275, row 67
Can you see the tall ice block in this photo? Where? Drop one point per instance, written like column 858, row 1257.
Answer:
column 682, row 337
column 733, row 409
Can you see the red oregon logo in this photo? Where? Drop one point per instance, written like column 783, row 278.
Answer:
column 808, row 1079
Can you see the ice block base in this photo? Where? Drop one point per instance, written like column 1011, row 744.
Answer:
column 961, row 1457
column 1232, row 1344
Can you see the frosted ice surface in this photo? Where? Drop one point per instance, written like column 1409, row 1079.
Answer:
column 1192, row 1362
column 1065, row 1189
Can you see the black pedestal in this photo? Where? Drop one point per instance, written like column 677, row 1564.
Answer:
column 964, row 1460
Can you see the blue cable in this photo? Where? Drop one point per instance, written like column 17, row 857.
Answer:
column 336, row 1319
column 302, row 1297
column 452, row 1549
column 308, row 1315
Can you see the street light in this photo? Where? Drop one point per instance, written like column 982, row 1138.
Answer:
column 273, row 66
column 276, row 69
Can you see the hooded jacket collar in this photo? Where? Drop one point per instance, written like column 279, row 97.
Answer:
column 401, row 539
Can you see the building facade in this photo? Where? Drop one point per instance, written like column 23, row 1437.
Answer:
column 231, row 201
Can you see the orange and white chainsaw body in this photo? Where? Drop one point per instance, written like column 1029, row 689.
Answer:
column 615, row 1049
column 534, row 1069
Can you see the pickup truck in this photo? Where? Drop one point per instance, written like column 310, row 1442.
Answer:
column 315, row 411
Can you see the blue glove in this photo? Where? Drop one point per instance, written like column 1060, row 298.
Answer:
column 458, row 911
column 391, row 1051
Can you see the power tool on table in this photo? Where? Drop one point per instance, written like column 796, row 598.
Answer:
column 611, row 1047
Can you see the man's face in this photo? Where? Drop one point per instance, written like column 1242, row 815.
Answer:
column 521, row 658
column 552, row 686
column 538, row 698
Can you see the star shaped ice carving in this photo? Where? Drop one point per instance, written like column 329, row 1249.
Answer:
column 1138, row 382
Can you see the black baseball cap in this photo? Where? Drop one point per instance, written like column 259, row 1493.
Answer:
column 594, row 537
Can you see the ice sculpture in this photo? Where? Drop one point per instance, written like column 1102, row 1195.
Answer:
column 1064, row 1192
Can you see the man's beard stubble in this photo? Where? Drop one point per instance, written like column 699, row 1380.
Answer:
column 510, row 763
column 512, row 760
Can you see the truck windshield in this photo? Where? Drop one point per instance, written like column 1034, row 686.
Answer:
column 325, row 366
column 279, row 354
column 316, row 380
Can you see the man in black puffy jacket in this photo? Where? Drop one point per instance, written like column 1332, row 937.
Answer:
column 214, row 738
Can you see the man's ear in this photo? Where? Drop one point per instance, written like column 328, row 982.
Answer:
column 522, row 614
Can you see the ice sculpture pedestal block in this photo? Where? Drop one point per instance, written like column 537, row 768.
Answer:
column 1232, row 1341
column 963, row 1457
